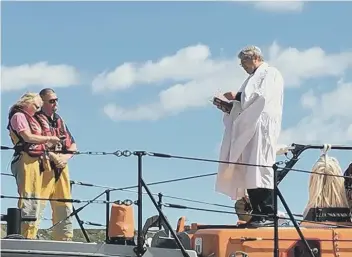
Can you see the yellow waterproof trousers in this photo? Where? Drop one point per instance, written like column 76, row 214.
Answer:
column 56, row 185
column 29, row 184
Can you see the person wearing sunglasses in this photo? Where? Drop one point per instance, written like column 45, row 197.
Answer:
column 56, row 179
column 251, row 135
column 29, row 159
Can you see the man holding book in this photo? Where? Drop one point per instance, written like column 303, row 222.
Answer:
column 252, row 118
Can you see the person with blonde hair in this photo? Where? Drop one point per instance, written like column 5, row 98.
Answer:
column 29, row 157
column 327, row 193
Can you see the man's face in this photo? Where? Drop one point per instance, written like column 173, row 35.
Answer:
column 249, row 65
column 50, row 102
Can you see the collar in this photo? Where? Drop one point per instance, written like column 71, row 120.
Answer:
column 261, row 67
column 54, row 118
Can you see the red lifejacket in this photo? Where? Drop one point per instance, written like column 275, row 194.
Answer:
column 20, row 145
column 58, row 130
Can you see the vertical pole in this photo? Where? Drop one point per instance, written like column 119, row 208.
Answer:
column 299, row 231
column 160, row 204
column 140, row 238
column 107, row 215
column 276, row 218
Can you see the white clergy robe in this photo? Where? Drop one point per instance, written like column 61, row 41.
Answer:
column 251, row 134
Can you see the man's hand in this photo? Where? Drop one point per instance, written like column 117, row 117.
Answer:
column 230, row 95
column 60, row 160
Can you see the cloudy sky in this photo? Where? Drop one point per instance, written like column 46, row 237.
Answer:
column 139, row 76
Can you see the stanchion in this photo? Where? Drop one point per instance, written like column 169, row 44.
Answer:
column 140, row 250
column 14, row 220
column 276, row 218
column 107, row 215
column 288, row 211
column 160, row 205
column 173, row 233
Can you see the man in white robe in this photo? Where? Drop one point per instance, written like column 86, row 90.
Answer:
column 251, row 134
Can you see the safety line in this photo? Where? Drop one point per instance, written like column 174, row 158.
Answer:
column 178, row 206
column 82, row 222
column 128, row 153
column 66, row 200
column 162, row 155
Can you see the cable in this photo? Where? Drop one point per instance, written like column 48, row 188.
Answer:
column 169, row 181
column 63, row 200
column 118, row 153
column 79, row 183
column 178, row 206
column 162, row 155
column 128, row 153
column 287, row 239
column 163, row 195
column 197, row 201
column 84, row 222
column 129, row 187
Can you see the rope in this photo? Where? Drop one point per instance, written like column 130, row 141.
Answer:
column 325, row 190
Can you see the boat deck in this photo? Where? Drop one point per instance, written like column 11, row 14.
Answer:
column 46, row 248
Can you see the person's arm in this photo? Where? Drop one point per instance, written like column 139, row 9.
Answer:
column 20, row 124
column 73, row 146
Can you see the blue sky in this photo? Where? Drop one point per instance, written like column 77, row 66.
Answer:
column 162, row 105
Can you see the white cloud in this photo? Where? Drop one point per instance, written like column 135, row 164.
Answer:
column 308, row 99
column 280, row 6
column 186, row 64
column 329, row 120
column 195, row 77
column 37, row 74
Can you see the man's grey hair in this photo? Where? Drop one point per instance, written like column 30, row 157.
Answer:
column 249, row 52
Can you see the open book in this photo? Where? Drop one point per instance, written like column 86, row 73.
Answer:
column 223, row 105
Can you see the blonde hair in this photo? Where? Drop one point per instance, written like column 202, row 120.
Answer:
column 249, row 52
column 26, row 99
column 326, row 188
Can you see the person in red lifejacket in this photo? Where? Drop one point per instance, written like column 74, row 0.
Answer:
column 29, row 159
column 56, row 179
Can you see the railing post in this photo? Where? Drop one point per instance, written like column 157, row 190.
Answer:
column 276, row 218
column 107, row 215
column 160, row 204
column 140, row 250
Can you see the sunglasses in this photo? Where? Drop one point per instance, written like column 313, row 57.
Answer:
column 52, row 101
